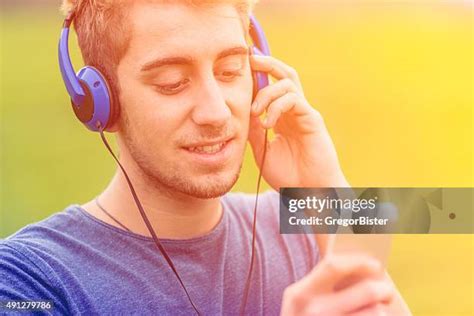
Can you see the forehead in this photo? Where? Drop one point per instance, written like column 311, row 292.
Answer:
column 164, row 29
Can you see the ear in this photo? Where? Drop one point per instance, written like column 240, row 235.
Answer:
column 113, row 128
column 113, row 125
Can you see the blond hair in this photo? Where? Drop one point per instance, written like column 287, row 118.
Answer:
column 102, row 35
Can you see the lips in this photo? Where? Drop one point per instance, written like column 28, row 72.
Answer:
column 208, row 149
column 211, row 153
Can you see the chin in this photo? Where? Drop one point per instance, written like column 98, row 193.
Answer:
column 210, row 186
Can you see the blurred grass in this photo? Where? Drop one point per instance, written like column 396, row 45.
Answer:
column 392, row 79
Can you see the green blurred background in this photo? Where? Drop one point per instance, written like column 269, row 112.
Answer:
column 393, row 79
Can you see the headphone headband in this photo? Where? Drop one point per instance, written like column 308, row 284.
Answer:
column 73, row 85
column 258, row 37
column 261, row 47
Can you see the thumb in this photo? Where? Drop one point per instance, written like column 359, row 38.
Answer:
column 256, row 138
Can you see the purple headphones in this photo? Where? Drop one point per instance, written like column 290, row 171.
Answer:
column 91, row 95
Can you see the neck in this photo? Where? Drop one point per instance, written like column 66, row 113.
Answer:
column 173, row 215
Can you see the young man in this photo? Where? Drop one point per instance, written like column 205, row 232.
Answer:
column 181, row 72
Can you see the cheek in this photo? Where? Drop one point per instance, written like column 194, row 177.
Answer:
column 149, row 117
column 239, row 97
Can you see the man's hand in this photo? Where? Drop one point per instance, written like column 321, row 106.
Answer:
column 339, row 285
column 302, row 153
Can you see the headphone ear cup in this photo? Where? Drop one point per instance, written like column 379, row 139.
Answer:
column 97, row 107
column 84, row 111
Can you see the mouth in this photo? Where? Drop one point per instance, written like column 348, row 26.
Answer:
column 207, row 149
column 213, row 153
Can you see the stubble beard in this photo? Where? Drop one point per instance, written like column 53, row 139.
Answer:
column 170, row 180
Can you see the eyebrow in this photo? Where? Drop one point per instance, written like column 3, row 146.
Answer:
column 186, row 60
column 238, row 50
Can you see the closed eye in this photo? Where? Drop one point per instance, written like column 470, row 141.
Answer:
column 173, row 88
column 229, row 75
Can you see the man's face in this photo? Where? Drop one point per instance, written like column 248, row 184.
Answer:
column 186, row 89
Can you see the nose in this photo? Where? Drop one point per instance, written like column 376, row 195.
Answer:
column 211, row 108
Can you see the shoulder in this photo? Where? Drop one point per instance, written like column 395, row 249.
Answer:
column 39, row 245
column 17, row 262
column 23, row 276
column 33, row 240
column 49, row 234
column 28, row 259
column 47, row 243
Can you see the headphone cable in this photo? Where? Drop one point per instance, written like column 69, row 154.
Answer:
column 110, row 215
column 254, row 228
column 160, row 246
column 146, row 220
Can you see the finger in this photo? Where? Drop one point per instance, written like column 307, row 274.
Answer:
column 372, row 310
column 278, row 107
column 268, row 94
column 336, row 305
column 274, row 67
column 364, row 294
column 324, row 305
column 256, row 138
column 335, row 268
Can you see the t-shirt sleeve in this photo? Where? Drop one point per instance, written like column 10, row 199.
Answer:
column 22, row 279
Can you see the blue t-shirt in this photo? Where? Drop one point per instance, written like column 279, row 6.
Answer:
column 86, row 266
